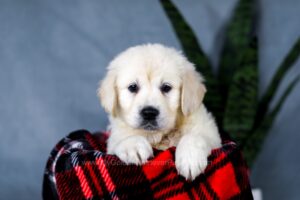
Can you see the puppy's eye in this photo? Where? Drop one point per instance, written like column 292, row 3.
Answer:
column 133, row 88
column 165, row 88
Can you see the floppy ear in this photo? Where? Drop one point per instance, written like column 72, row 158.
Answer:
column 192, row 93
column 107, row 93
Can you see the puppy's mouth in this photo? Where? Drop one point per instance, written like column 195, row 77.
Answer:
column 149, row 125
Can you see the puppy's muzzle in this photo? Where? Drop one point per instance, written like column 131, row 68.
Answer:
column 149, row 116
column 149, row 113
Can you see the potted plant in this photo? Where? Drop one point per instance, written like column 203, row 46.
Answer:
column 233, row 92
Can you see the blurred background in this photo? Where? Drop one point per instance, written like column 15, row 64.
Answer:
column 53, row 53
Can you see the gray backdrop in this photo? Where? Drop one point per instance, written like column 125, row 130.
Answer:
column 52, row 54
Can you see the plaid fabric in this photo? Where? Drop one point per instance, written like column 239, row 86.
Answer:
column 79, row 168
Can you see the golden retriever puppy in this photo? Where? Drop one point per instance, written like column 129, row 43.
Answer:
column 153, row 96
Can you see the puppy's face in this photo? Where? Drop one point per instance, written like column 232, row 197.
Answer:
column 149, row 87
column 148, row 95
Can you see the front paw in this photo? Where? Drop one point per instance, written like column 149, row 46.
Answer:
column 190, row 160
column 133, row 150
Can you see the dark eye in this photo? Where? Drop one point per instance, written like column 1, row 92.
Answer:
column 133, row 87
column 165, row 88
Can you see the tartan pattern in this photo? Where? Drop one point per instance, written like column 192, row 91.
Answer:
column 79, row 168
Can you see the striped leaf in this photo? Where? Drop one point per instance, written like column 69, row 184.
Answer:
column 287, row 63
column 254, row 142
column 238, row 36
column 187, row 38
column 241, row 103
column 238, row 72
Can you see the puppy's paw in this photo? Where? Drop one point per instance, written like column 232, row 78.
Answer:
column 190, row 159
column 134, row 150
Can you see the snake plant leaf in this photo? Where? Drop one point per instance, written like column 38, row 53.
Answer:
column 193, row 51
column 254, row 142
column 238, row 36
column 239, row 72
column 287, row 63
column 242, row 95
column 187, row 38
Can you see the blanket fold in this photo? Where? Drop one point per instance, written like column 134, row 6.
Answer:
column 79, row 168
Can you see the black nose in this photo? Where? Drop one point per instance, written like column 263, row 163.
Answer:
column 149, row 113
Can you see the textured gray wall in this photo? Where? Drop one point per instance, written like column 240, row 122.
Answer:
column 52, row 54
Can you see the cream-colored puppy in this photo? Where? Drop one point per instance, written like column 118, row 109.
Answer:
column 154, row 99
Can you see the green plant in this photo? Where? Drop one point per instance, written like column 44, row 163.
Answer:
column 233, row 93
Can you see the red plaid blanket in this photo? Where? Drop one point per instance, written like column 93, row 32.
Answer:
column 79, row 168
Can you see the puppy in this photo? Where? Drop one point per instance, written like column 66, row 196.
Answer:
column 153, row 96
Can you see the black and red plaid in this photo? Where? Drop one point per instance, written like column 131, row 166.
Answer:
column 79, row 168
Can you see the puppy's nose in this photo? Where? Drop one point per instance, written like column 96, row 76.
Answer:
column 149, row 113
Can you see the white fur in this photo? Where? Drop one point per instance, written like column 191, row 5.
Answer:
column 183, row 120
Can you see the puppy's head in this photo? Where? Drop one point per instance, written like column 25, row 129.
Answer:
column 150, row 86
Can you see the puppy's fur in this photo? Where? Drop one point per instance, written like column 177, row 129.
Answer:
column 163, row 79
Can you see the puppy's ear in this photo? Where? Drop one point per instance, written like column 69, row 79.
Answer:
column 193, row 91
column 107, row 93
